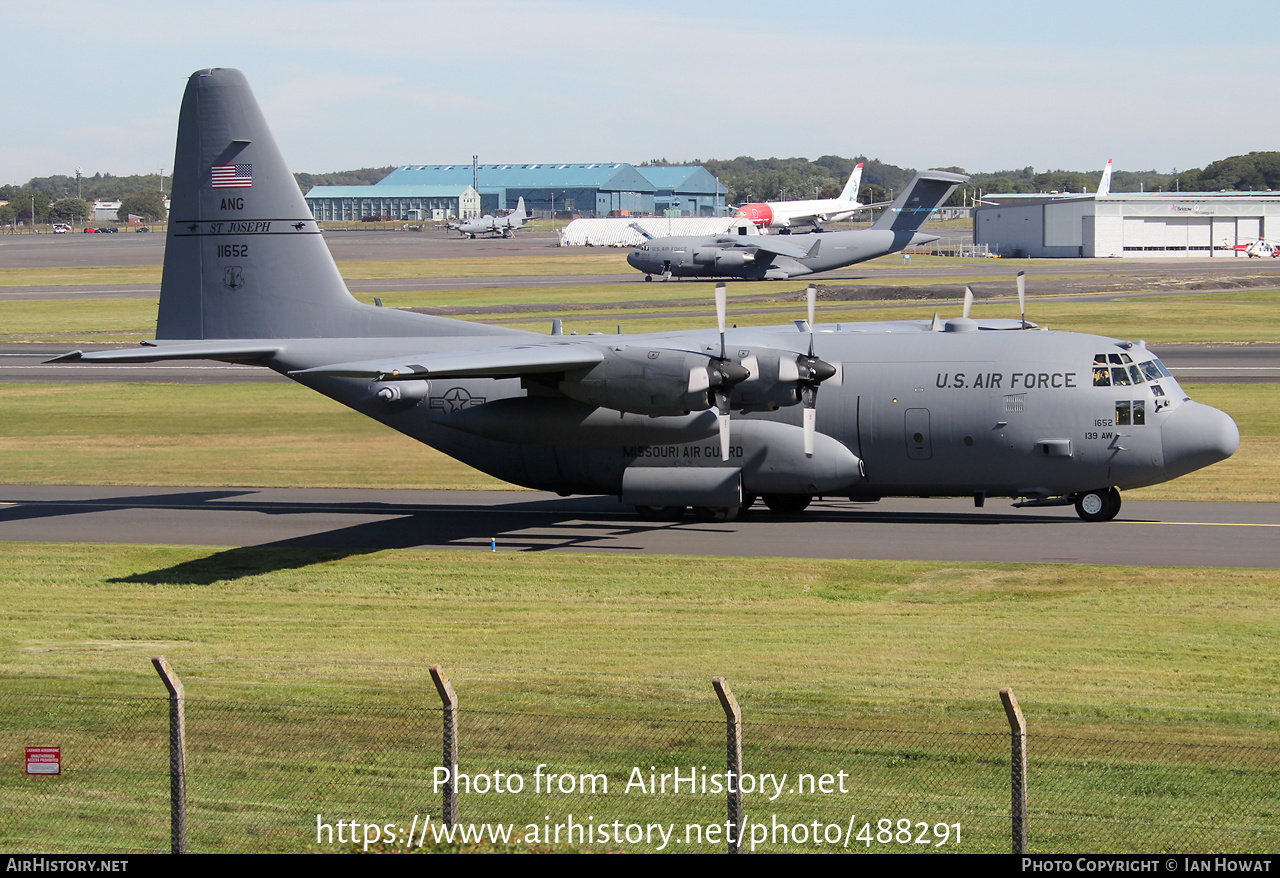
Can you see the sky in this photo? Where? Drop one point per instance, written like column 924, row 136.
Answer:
column 986, row 87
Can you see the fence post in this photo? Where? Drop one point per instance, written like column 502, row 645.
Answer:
column 733, row 754
column 177, row 755
column 449, row 698
column 1017, row 770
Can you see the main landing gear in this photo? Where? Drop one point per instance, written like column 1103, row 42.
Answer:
column 1100, row 505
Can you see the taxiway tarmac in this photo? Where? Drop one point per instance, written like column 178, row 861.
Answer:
column 1147, row 533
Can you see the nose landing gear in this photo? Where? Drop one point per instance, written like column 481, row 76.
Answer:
column 1100, row 505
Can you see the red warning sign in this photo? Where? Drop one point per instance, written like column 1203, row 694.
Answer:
column 44, row 760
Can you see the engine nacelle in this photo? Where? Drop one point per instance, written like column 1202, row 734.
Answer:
column 722, row 257
column 773, row 383
column 644, row 381
column 733, row 258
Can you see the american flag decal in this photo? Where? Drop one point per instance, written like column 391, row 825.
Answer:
column 232, row 176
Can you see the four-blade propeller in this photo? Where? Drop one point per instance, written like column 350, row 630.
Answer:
column 807, row 374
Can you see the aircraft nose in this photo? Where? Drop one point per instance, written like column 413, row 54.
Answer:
column 1196, row 435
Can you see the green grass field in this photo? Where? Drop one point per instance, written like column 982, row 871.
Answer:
column 886, row 670
column 1236, row 317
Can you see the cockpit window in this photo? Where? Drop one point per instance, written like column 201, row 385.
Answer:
column 1123, row 371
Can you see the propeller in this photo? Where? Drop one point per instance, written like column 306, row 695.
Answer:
column 723, row 374
column 1022, row 297
column 813, row 372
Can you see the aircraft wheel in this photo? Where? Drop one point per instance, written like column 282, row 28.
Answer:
column 648, row 277
column 660, row 513
column 787, row 504
column 715, row 513
column 748, row 500
column 1100, row 505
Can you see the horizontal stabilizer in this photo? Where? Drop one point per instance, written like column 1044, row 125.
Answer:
column 498, row 363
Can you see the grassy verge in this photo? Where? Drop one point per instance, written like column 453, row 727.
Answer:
column 1148, row 691
column 110, row 434
column 1245, row 317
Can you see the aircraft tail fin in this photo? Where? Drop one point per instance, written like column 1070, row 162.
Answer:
column 244, row 257
column 1104, row 185
column 519, row 212
column 927, row 191
column 851, row 188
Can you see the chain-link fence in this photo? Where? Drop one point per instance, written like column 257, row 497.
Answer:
column 337, row 773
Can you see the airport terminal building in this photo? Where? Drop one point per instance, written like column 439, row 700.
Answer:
column 1195, row 224
column 595, row 189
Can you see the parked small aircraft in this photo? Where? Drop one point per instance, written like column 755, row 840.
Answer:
column 761, row 257
column 984, row 408
column 812, row 212
column 491, row 225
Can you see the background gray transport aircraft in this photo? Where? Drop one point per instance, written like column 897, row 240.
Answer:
column 664, row 420
column 491, row 225
column 772, row 257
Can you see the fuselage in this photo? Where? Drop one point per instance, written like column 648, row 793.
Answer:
column 911, row 412
column 705, row 255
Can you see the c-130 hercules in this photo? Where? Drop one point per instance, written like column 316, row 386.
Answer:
column 664, row 420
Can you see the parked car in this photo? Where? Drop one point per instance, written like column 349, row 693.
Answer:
column 90, row 230
column 61, row 228
column 142, row 229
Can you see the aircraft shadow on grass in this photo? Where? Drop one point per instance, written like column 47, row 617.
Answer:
column 599, row 524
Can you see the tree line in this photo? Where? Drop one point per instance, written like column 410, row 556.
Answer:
column 60, row 198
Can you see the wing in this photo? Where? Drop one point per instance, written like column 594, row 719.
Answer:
column 502, row 362
column 766, row 244
column 234, row 350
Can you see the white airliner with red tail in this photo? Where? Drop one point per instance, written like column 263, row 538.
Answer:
column 788, row 215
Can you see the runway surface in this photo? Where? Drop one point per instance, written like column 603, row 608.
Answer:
column 359, row 521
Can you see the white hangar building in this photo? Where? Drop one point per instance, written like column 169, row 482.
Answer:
column 1127, row 224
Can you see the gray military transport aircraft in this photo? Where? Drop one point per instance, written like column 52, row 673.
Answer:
column 491, row 225
column 773, row 257
column 984, row 408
